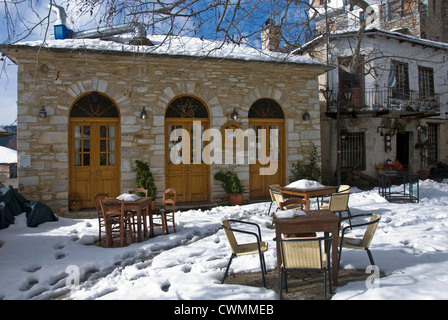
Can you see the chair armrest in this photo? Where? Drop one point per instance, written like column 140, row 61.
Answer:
column 359, row 224
column 249, row 223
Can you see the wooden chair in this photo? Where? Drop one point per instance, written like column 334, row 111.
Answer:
column 246, row 248
column 101, row 226
column 364, row 242
column 143, row 193
column 116, row 220
column 166, row 214
column 305, row 254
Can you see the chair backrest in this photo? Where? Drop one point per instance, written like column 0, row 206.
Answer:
column 339, row 201
column 370, row 231
column 290, row 201
column 139, row 190
column 97, row 198
column 303, row 253
column 344, row 188
column 170, row 197
column 230, row 236
column 112, row 206
column 273, row 189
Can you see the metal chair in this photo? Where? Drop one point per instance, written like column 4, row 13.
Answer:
column 339, row 203
column 364, row 242
column 278, row 198
column 246, row 248
column 117, row 220
column 305, row 254
column 97, row 198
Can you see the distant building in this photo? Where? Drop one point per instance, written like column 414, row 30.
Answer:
column 8, row 167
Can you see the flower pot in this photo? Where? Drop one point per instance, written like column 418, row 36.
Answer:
column 424, row 174
column 236, row 199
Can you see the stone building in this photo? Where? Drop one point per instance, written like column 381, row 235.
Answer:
column 398, row 92
column 426, row 19
column 88, row 108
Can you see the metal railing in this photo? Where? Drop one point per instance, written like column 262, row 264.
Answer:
column 389, row 99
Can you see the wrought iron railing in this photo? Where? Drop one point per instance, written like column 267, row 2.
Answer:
column 389, row 99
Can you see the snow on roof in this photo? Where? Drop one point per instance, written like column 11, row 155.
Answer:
column 8, row 155
column 175, row 46
column 387, row 33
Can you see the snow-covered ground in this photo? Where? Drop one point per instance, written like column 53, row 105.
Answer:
column 410, row 247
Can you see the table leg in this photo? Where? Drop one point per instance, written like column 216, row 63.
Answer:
column 307, row 204
column 335, row 255
column 151, row 224
column 139, row 225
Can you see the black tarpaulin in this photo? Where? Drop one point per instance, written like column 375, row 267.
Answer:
column 14, row 204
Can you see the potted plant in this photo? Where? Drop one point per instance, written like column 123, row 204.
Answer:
column 145, row 180
column 232, row 186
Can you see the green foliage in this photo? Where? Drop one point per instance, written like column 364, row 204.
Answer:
column 144, row 178
column 232, row 184
column 310, row 169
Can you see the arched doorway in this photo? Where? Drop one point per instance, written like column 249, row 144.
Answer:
column 186, row 119
column 266, row 115
column 94, row 148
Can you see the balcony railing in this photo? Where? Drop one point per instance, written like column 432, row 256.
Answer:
column 389, row 99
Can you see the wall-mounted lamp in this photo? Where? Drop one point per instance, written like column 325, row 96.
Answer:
column 234, row 116
column 306, row 116
column 143, row 114
column 43, row 113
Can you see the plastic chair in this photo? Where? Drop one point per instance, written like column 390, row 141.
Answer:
column 305, row 254
column 364, row 242
column 143, row 193
column 116, row 220
column 97, row 198
column 166, row 213
column 246, row 248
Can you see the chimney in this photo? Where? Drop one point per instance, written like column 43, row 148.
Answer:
column 271, row 36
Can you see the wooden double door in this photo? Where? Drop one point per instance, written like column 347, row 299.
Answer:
column 273, row 149
column 94, row 158
column 189, row 174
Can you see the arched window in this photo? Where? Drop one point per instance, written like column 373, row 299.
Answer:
column 266, row 109
column 94, row 105
column 186, row 107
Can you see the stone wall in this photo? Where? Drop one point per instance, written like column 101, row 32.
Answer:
column 56, row 79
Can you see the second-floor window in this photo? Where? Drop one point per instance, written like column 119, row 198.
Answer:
column 401, row 80
column 426, row 82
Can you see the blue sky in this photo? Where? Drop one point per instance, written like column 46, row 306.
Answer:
column 247, row 25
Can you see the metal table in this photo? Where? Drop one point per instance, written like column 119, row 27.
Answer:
column 409, row 182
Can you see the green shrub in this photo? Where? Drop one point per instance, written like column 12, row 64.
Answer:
column 309, row 169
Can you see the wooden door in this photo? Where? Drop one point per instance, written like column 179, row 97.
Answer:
column 94, row 165
column 266, row 115
column 186, row 120
column 258, row 182
column 94, row 149
column 191, row 176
